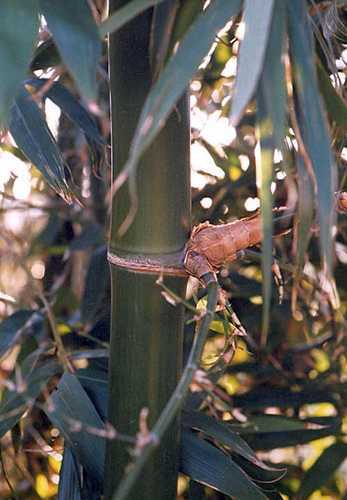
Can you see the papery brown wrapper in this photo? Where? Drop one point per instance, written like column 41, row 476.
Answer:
column 341, row 201
column 210, row 247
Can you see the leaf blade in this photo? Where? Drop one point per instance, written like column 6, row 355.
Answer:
column 19, row 23
column 125, row 14
column 206, row 464
column 314, row 127
column 76, row 36
column 257, row 19
column 32, row 135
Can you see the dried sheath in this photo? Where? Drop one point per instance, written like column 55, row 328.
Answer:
column 210, row 247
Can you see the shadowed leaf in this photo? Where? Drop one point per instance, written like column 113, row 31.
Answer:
column 312, row 121
column 19, row 23
column 125, row 14
column 206, row 464
column 222, row 433
column 324, row 467
column 69, row 484
column 71, row 404
column 76, row 36
column 31, row 133
column 69, row 105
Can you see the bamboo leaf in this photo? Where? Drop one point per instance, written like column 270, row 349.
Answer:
column 97, row 273
column 176, row 76
column 257, row 18
column 305, row 212
column 69, row 105
column 12, row 327
column 222, row 433
column 76, row 36
column 14, row 404
column 266, row 432
column 71, row 404
column 69, row 485
column 125, row 14
column 270, row 131
column 313, row 123
column 335, row 105
column 19, row 23
column 206, row 464
column 31, row 133
column 324, row 467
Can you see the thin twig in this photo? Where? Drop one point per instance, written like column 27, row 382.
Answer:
column 177, row 399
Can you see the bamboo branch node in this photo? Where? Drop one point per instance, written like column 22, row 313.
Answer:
column 210, row 247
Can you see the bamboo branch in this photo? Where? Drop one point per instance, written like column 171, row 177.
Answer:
column 177, row 399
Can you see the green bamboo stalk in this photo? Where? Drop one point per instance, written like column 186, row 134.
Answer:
column 146, row 331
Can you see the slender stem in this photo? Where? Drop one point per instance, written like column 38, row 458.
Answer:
column 176, row 400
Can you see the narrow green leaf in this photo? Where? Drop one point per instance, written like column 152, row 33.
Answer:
column 323, row 468
column 12, row 328
column 223, row 433
column 176, row 76
column 97, row 275
column 76, row 36
column 69, row 484
column 207, row 464
column 32, row 135
column 264, row 170
column 71, row 405
column 69, row 105
column 125, row 14
column 313, row 123
column 271, row 102
column 14, row 404
column 267, row 432
column 305, row 212
column 257, row 18
column 335, row 105
column 19, row 23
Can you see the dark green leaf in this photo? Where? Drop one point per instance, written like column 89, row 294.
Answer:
column 206, row 464
column 76, row 36
column 12, row 328
column 97, row 276
column 71, row 406
column 69, row 105
column 324, row 467
column 257, row 18
column 335, row 105
column 91, row 236
column 313, row 123
column 167, row 90
column 125, row 14
column 69, row 483
column 305, row 212
column 267, row 432
column 31, row 133
column 19, row 24
column 270, row 131
column 36, row 376
column 222, row 433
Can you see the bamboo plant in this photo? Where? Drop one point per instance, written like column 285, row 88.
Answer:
column 285, row 53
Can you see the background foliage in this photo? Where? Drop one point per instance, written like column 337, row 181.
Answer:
column 269, row 125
